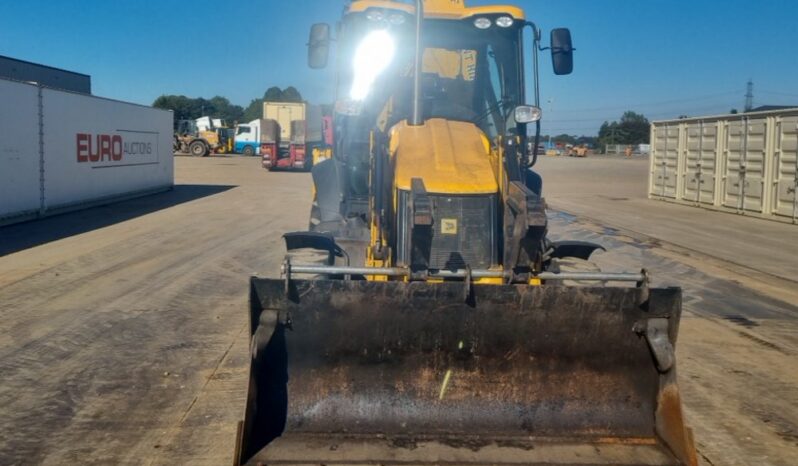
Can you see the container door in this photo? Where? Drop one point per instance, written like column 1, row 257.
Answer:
column 753, row 167
column 666, row 155
column 732, row 177
column 785, row 180
column 745, row 164
column 708, row 163
column 693, row 152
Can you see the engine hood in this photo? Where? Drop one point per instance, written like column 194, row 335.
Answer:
column 450, row 156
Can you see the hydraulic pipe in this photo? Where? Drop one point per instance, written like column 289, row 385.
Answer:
column 403, row 272
column 417, row 119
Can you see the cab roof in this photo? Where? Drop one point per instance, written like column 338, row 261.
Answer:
column 442, row 9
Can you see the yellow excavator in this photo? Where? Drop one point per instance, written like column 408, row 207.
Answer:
column 426, row 317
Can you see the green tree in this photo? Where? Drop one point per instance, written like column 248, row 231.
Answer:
column 186, row 108
column 273, row 94
column 222, row 108
column 633, row 128
column 290, row 94
column 254, row 110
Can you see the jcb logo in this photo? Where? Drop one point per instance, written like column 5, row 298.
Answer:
column 449, row 226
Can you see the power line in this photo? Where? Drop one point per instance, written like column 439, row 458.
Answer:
column 719, row 107
column 662, row 102
column 778, row 93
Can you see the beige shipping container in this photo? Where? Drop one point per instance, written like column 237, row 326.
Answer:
column 284, row 113
column 744, row 163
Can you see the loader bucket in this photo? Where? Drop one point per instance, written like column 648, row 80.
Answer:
column 361, row 372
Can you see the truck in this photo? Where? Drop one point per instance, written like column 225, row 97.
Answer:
column 202, row 137
column 248, row 137
column 298, row 131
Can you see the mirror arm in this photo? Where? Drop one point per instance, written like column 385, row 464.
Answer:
column 535, row 66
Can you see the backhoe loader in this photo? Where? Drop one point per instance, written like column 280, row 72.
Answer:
column 426, row 317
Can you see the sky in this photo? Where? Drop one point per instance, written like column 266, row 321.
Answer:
column 657, row 57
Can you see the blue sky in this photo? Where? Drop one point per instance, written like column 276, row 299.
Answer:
column 662, row 58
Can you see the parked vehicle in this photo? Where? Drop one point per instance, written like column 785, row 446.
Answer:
column 296, row 130
column 248, row 137
column 201, row 137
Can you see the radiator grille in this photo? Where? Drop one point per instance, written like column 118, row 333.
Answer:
column 463, row 233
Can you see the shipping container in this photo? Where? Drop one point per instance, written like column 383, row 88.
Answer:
column 61, row 151
column 742, row 163
column 284, row 113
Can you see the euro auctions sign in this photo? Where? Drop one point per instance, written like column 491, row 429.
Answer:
column 124, row 148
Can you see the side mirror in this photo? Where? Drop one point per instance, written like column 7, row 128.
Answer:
column 562, row 51
column 319, row 45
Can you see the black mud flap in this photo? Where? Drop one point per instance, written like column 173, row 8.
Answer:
column 411, row 362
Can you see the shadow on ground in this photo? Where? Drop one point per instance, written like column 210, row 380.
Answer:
column 14, row 238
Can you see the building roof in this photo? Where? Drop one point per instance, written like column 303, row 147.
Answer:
column 767, row 108
column 3, row 57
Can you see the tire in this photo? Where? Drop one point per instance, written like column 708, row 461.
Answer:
column 198, row 149
column 574, row 264
column 249, row 151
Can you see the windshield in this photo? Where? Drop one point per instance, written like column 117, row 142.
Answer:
column 469, row 74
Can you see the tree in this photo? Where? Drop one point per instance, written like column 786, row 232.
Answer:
column 186, row 108
column 222, row 108
column 290, row 94
column 254, row 110
column 273, row 94
column 632, row 129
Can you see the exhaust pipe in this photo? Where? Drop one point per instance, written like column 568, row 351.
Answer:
column 417, row 119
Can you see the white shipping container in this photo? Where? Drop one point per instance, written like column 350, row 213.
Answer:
column 20, row 187
column 284, row 113
column 88, row 150
column 744, row 163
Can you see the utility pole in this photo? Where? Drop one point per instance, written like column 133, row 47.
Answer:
column 749, row 96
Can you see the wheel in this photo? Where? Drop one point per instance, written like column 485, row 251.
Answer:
column 198, row 149
column 249, row 151
column 574, row 264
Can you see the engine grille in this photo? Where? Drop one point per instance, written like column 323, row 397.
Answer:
column 463, row 233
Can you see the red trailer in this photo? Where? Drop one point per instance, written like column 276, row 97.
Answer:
column 285, row 155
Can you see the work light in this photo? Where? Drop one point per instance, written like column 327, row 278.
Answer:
column 372, row 57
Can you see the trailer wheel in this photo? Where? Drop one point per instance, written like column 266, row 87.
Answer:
column 249, row 151
column 574, row 264
column 198, row 149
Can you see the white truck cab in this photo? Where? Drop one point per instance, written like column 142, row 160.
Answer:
column 248, row 137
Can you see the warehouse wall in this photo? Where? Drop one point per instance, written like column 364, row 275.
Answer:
column 19, row 70
column 62, row 150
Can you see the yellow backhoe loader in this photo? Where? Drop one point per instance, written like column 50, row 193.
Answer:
column 426, row 317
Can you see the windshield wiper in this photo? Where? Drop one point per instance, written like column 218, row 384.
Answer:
column 497, row 106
